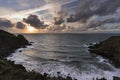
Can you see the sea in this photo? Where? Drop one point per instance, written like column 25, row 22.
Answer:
column 65, row 54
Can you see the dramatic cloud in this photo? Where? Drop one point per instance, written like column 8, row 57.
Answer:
column 72, row 18
column 83, row 11
column 6, row 23
column 34, row 21
column 58, row 20
column 61, row 27
column 61, row 15
column 94, row 7
column 108, row 7
column 95, row 23
column 20, row 25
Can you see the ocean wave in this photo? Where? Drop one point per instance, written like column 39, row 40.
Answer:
column 52, row 67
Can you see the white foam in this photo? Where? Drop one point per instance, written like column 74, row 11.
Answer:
column 101, row 59
column 53, row 68
column 87, row 45
column 86, row 72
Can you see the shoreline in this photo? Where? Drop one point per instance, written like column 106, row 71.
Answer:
column 18, row 72
column 108, row 49
column 9, row 43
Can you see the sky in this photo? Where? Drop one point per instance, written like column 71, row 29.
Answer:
column 60, row 16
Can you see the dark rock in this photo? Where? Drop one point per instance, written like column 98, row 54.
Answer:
column 101, row 79
column 20, row 50
column 9, row 43
column 116, row 78
column 109, row 48
column 30, row 43
column 69, row 78
column 22, row 40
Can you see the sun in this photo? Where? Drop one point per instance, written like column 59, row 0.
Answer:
column 31, row 29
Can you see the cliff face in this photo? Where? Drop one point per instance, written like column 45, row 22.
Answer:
column 110, row 49
column 9, row 43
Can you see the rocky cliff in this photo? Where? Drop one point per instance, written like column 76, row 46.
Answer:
column 9, row 43
column 109, row 48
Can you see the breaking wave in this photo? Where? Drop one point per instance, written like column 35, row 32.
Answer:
column 77, row 69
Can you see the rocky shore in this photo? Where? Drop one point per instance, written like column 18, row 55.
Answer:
column 109, row 49
column 9, row 43
column 8, row 70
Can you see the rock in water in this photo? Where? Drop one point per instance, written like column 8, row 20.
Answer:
column 9, row 43
column 109, row 48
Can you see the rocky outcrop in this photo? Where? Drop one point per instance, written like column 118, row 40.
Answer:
column 9, row 43
column 109, row 48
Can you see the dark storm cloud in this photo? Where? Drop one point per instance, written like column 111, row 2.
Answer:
column 34, row 21
column 94, row 24
column 6, row 23
column 110, row 6
column 60, row 17
column 20, row 25
column 83, row 12
column 61, row 27
column 94, row 7
column 73, row 18
column 58, row 20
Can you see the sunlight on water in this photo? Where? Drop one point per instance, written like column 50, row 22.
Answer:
column 67, row 54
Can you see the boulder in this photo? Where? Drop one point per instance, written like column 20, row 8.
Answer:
column 109, row 48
